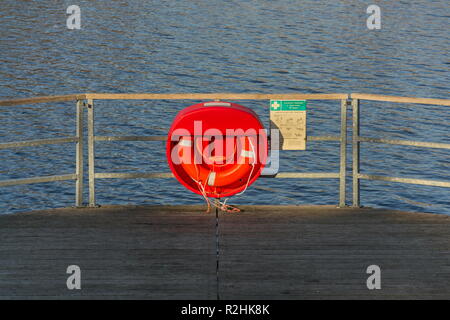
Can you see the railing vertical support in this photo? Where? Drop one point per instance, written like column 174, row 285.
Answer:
column 356, row 151
column 343, row 154
column 91, row 152
column 79, row 156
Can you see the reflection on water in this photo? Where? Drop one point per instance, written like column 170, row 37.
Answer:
column 215, row 46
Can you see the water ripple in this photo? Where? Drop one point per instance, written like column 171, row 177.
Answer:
column 216, row 46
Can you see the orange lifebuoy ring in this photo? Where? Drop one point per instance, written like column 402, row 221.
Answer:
column 214, row 173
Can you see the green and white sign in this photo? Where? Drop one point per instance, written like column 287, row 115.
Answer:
column 288, row 105
column 289, row 117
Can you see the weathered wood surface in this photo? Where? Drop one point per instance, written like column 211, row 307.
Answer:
column 265, row 253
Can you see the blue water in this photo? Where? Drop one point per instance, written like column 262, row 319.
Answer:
column 224, row 46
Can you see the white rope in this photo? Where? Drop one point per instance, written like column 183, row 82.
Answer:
column 251, row 172
column 223, row 205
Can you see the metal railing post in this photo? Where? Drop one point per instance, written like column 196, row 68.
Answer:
column 343, row 154
column 91, row 152
column 79, row 156
column 356, row 152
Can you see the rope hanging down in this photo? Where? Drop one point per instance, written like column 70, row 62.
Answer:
column 223, row 206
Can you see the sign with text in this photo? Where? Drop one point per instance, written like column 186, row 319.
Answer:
column 289, row 116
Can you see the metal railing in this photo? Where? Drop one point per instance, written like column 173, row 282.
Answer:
column 92, row 138
column 86, row 101
column 78, row 139
column 357, row 139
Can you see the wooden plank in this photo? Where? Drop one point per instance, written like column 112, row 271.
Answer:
column 266, row 252
column 309, row 253
column 120, row 254
column 377, row 97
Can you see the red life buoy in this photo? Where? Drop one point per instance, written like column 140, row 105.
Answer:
column 216, row 149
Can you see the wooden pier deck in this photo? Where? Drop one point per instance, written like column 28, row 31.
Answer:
column 266, row 252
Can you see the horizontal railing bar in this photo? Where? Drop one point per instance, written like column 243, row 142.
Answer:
column 223, row 96
column 310, row 175
column 130, row 138
column 406, row 180
column 376, row 97
column 116, row 175
column 323, row 138
column 407, row 143
column 29, row 143
column 13, row 182
column 16, row 102
column 215, row 96
column 164, row 138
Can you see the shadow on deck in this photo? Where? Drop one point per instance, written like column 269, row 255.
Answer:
column 266, row 252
